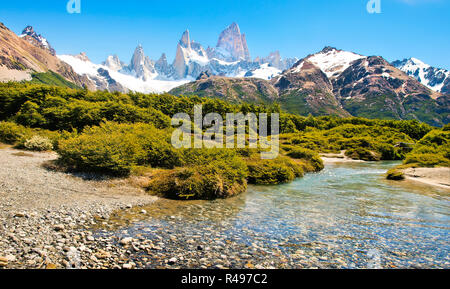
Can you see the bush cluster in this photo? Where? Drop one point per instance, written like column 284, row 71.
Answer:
column 117, row 148
column 271, row 172
column 208, row 174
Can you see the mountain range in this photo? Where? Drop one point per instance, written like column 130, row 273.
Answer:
column 331, row 81
column 230, row 57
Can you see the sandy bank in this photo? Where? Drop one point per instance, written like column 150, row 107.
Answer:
column 439, row 177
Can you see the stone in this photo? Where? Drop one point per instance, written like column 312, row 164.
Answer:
column 10, row 258
column 172, row 261
column 126, row 241
column 127, row 266
column 102, row 254
column 3, row 262
column 58, row 228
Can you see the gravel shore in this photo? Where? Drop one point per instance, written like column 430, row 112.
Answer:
column 45, row 216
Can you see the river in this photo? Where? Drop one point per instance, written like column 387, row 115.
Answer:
column 347, row 216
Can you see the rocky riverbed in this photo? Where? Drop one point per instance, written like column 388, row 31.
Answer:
column 45, row 216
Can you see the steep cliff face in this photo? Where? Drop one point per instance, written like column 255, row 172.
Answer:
column 231, row 46
column 162, row 66
column 143, row 67
column 19, row 55
column 191, row 59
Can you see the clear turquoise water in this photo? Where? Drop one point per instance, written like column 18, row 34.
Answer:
column 347, row 216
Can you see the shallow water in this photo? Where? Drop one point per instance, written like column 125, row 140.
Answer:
column 347, row 216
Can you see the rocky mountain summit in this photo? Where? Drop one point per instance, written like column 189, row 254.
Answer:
column 437, row 79
column 37, row 39
column 231, row 46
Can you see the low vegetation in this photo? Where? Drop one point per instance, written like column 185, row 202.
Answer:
column 124, row 134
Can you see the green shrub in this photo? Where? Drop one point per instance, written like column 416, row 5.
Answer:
column 301, row 153
column 220, row 178
column 431, row 151
column 362, row 154
column 11, row 133
column 38, row 143
column 427, row 160
column 313, row 162
column 276, row 171
column 116, row 148
column 395, row 175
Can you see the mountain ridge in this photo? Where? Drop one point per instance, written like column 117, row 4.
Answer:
column 337, row 82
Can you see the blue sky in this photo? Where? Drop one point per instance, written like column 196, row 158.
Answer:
column 405, row 28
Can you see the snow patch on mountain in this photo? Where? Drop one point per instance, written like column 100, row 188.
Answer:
column 333, row 61
column 128, row 81
column 265, row 71
column 433, row 78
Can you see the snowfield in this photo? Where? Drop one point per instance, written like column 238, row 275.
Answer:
column 334, row 62
column 126, row 80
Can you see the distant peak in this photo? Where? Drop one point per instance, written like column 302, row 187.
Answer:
column 36, row 39
column 28, row 30
column 185, row 39
column 83, row 57
column 327, row 49
column 234, row 27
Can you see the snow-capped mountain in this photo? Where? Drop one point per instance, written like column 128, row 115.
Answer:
column 231, row 58
column 436, row 79
column 231, row 46
column 333, row 61
column 37, row 40
column 114, row 79
column 113, row 62
column 332, row 82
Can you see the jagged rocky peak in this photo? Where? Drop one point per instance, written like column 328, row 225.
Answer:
column 437, row 79
column 190, row 58
column 163, row 67
column 37, row 40
column 114, row 63
column 232, row 45
column 143, row 66
column 185, row 40
column 83, row 57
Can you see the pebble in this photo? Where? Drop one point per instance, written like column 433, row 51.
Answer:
column 59, row 228
column 126, row 241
